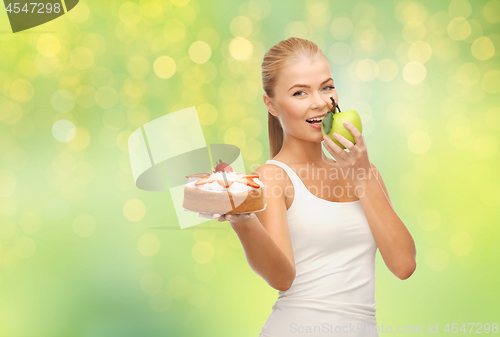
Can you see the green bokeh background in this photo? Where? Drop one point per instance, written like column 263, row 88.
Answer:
column 83, row 252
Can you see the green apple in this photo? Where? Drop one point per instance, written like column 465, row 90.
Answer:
column 334, row 122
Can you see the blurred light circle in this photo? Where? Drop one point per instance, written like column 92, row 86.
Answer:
column 414, row 31
column 30, row 223
column 8, row 228
column 178, row 287
column 84, row 225
column 63, row 101
column 95, row 42
column 437, row 259
column 425, row 165
column 56, row 208
column 81, row 139
column 152, row 9
column 129, row 13
column 24, row 247
column 486, row 146
column 160, row 301
column 85, row 96
column 26, row 65
column 250, row 90
column 235, row 135
column 207, row 113
column 429, row 219
column 10, row 112
column 148, row 244
column 406, row 11
column 420, row 51
column 138, row 66
column 126, row 33
column 456, row 88
column 491, row 81
column 419, row 142
column 82, row 58
column 63, row 130
column 491, row 11
column 297, row 29
column 367, row 70
column 198, row 295
column 200, row 52
column 490, row 194
column 387, row 70
column 24, row 128
column 151, row 282
column 202, row 251
column 164, row 67
column 240, row 48
column 134, row 210
column 15, row 158
column 458, row 8
column 106, row 97
column 210, row 36
column 81, row 14
column 204, row 272
column 174, row 30
column 446, row 49
column 492, row 118
column 461, row 243
column 340, row 53
column 468, row 74
column 180, row 3
column 438, row 23
column 483, row 48
column 48, row 45
column 253, row 127
column 414, row 72
column 397, row 113
column 252, row 150
column 7, row 183
column 241, row 26
column 113, row 119
column 64, row 164
column 138, row 115
column 122, row 140
column 21, row 90
column 458, row 125
column 319, row 14
column 459, row 29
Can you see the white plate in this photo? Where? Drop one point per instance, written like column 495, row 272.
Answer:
column 265, row 205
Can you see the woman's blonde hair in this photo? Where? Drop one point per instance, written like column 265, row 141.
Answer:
column 280, row 55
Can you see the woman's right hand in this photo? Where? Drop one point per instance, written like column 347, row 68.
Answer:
column 232, row 218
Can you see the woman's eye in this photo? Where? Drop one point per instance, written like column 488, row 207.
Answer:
column 328, row 88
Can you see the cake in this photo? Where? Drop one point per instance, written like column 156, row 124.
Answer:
column 223, row 192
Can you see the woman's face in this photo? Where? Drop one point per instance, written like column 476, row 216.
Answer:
column 303, row 92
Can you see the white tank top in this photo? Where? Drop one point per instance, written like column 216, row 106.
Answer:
column 334, row 253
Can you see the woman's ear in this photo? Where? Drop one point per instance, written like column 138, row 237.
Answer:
column 269, row 105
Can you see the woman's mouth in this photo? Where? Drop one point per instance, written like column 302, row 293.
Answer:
column 315, row 122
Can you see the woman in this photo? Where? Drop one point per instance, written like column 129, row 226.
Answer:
column 316, row 240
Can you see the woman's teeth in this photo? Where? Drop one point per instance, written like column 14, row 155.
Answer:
column 315, row 120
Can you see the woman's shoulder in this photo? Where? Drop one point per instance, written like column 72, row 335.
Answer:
column 271, row 173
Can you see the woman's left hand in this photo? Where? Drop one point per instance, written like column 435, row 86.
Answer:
column 355, row 163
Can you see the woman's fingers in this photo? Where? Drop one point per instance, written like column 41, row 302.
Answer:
column 226, row 217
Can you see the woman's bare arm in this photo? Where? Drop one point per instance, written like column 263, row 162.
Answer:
column 265, row 237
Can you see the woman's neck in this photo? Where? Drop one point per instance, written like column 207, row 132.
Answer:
column 298, row 151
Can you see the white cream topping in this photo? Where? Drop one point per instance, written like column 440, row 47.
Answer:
column 235, row 187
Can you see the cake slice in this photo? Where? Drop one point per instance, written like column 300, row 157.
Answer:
column 223, row 192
